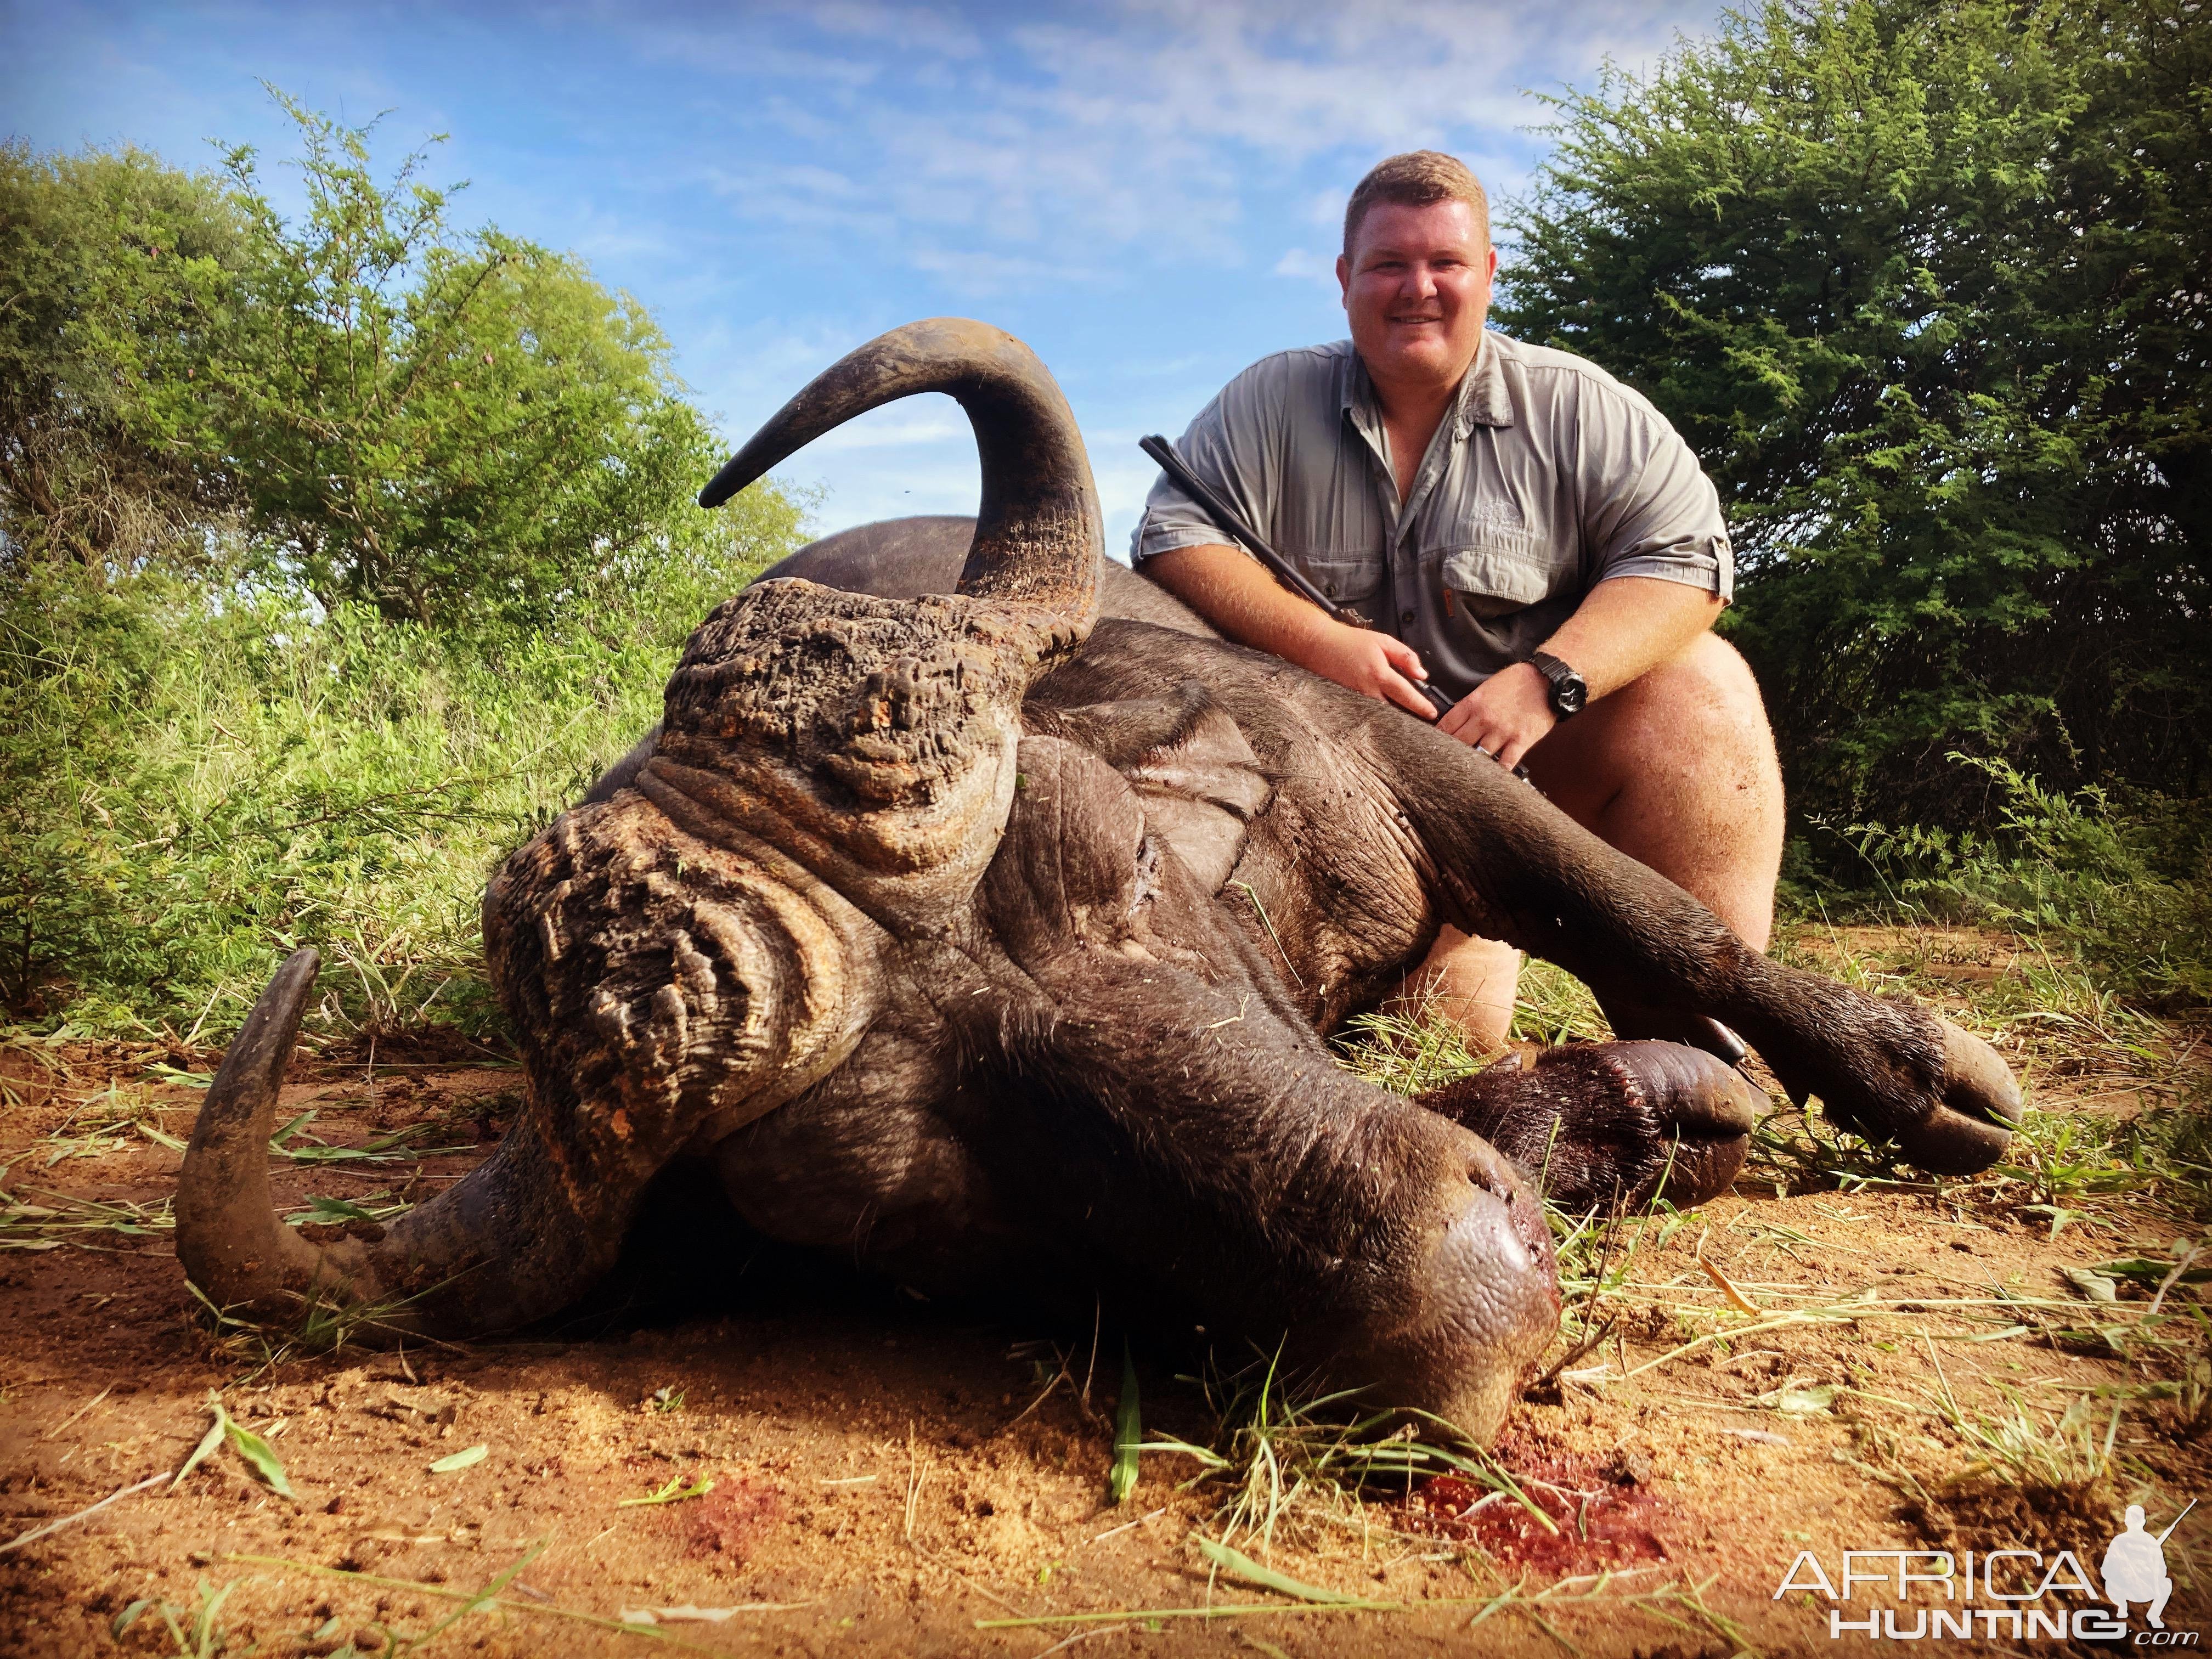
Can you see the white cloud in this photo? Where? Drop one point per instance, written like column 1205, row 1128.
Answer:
column 901, row 426
column 981, row 274
column 1151, row 127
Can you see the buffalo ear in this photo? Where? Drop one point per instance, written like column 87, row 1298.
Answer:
column 1201, row 784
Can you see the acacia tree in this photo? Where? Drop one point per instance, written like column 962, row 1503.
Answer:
column 475, row 458
column 1925, row 284
column 465, row 430
column 460, row 430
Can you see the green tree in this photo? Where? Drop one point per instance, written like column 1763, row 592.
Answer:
column 116, row 273
column 1924, row 283
column 460, row 430
column 335, row 557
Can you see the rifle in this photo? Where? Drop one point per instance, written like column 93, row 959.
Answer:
column 1281, row 568
column 2168, row 1533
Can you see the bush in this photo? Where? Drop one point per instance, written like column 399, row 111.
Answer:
column 464, row 431
column 192, row 782
column 335, row 558
column 2127, row 887
column 1923, row 282
column 117, row 273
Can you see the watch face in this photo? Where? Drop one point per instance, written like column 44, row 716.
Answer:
column 1569, row 695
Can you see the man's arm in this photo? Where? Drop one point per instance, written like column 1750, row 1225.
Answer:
column 1623, row 628
column 1237, row 596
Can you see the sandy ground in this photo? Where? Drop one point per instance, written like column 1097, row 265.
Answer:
column 890, row 1476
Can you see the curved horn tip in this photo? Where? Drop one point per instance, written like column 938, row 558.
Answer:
column 770, row 444
column 228, row 1238
column 271, row 1030
column 726, row 483
column 893, row 364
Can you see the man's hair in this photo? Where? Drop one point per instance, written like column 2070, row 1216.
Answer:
column 1420, row 178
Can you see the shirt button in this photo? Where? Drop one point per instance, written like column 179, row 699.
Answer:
column 1407, row 617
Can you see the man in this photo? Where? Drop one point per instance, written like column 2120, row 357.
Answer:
column 1517, row 526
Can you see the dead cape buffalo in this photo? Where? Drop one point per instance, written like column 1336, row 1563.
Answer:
column 988, row 942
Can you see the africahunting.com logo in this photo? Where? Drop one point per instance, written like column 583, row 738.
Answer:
column 2019, row 1595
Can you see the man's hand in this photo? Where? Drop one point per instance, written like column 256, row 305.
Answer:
column 1505, row 715
column 1235, row 592
column 1374, row 664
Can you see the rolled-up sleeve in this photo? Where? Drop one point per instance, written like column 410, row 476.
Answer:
column 1649, row 508
column 1230, row 445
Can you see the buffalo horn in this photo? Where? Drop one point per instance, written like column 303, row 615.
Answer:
column 1038, row 533
column 505, row 1245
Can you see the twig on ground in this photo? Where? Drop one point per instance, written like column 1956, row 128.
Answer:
column 1081, row 1636
column 78, row 1412
column 37, row 1532
column 477, row 1598
column 1126, row 1525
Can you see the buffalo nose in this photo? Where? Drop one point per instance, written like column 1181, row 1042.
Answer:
column 1479, row 1299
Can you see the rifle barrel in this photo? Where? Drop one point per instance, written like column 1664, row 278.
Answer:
column 2178, row 1520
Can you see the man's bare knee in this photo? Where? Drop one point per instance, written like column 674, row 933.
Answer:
column 1469, row 982
column 1701, row 709
column 1698, row 714
column 1708, row 683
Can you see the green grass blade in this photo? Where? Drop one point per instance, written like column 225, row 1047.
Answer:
column 255, row 1450
column 208, row 1442
column 1128, row 1434
column 1243, row 1566
column 674, row 1492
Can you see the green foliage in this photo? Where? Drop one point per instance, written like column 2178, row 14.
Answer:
column 191, row 783
column 1922, row 281
column 466, row 431
column 116, row 273
column 334, row 560
column 2128, row 890
column 456, row 431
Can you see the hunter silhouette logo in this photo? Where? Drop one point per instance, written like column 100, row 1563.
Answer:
column 2014, row 1594
column 2135, row 1568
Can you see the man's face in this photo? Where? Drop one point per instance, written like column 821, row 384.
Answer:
column 1416, row 288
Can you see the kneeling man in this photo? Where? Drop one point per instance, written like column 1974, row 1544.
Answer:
column 1520, row 528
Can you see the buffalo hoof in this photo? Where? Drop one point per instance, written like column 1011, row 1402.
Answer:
column 1969, row 1122
column 1612, row 1126
column 1634, row 1021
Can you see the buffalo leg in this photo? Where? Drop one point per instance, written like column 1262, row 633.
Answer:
column 1168, row 1116
column 1512, row 865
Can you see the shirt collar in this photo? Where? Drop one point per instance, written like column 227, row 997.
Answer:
column 1481, row 399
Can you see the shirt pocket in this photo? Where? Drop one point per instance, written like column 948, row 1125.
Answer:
column 1350, row 579
column 1501, row 573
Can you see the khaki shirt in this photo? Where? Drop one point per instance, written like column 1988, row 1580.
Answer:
column 1546, row 478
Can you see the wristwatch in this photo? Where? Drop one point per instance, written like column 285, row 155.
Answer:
column 1570, row 694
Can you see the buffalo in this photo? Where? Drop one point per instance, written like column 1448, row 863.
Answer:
column 990, row 936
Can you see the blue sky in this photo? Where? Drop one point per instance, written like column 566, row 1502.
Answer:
column 1150, row 194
